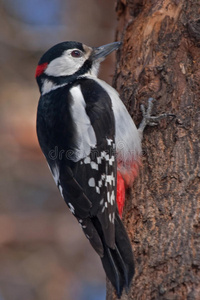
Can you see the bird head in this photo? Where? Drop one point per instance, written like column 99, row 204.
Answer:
column 67, row 61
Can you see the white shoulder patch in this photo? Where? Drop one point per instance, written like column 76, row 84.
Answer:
column 86, row 138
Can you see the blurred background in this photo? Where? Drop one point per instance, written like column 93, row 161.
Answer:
column 43, row 252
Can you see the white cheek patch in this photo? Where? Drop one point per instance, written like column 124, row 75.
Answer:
column 65, row 65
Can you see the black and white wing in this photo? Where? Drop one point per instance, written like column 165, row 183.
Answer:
column 85, row 166
column 93, row 163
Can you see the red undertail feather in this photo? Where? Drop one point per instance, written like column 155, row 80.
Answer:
column 125, row 179
column 120, row 193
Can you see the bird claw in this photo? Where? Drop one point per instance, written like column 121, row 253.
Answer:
column 148, row 119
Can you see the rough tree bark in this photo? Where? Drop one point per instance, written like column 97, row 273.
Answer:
column 160, row 58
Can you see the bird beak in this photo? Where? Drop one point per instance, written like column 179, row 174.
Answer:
column 101, row 52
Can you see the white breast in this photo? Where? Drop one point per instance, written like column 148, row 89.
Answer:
column 128, row 141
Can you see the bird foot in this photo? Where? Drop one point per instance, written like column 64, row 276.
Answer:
column 148, row 119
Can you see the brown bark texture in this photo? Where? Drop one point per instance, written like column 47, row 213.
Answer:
column 160, row 58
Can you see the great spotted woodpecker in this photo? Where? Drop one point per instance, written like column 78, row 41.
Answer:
column 98, row 148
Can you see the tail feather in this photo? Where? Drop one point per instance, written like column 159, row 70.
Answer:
column 112, row 270
column 118, row 263
column 125, row 249
column 124, row 267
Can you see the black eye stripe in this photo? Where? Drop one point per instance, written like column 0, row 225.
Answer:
column 76, row 53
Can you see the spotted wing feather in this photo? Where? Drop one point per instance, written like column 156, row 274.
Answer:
column 96, row 172
column 84, row 167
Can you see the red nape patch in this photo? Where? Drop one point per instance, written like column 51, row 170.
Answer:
column 120, row 193
column 40, row 69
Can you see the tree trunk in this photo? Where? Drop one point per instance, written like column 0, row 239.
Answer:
column 160, row 58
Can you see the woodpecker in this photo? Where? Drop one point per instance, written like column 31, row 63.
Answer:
column 82, row 119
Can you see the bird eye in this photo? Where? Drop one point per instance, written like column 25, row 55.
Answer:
column 76, row 53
